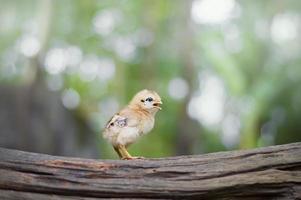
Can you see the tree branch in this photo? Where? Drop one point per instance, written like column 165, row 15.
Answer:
column 263, row 173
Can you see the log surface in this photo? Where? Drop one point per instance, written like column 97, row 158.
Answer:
column 264, row 173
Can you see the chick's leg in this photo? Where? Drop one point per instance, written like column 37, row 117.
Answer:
column 125, row 153
column 118, row 151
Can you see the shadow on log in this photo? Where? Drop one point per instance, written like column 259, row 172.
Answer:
column 263, row 173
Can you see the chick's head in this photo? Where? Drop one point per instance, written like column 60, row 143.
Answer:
column 147, row 100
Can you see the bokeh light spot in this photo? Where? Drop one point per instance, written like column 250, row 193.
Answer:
column 70, row 98
column 284, row 28
column 29, row 46
column 55, row 61
column 212, row 11
column 178, row 88
column 208, row 106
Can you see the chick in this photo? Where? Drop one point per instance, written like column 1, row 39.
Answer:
column 133, row 121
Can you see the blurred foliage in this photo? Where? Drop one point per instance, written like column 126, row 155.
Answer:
column 233, row 67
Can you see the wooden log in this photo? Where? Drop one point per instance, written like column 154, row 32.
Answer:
column 264, row 173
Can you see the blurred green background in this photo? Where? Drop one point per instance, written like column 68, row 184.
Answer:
column 228, row 72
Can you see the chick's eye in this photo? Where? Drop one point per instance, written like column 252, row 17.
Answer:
column 149, row 99
column 142, row 100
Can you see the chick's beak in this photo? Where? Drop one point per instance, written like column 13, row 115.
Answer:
column 157, row 104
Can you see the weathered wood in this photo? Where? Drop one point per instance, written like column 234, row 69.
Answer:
column 263, row 173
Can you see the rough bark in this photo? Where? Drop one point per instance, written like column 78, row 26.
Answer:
column 263, row 173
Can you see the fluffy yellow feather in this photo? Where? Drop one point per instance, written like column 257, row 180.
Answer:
column 133, row 121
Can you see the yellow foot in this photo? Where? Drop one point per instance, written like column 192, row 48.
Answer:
column 132, row 158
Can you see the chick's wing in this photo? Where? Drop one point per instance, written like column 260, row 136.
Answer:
column 117, row 120
column 123, row 119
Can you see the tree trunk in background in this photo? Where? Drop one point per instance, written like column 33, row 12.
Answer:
column 187, row 129
column 32, row 118
column 264, row 173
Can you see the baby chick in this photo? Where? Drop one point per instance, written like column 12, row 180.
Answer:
column 133, row 121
